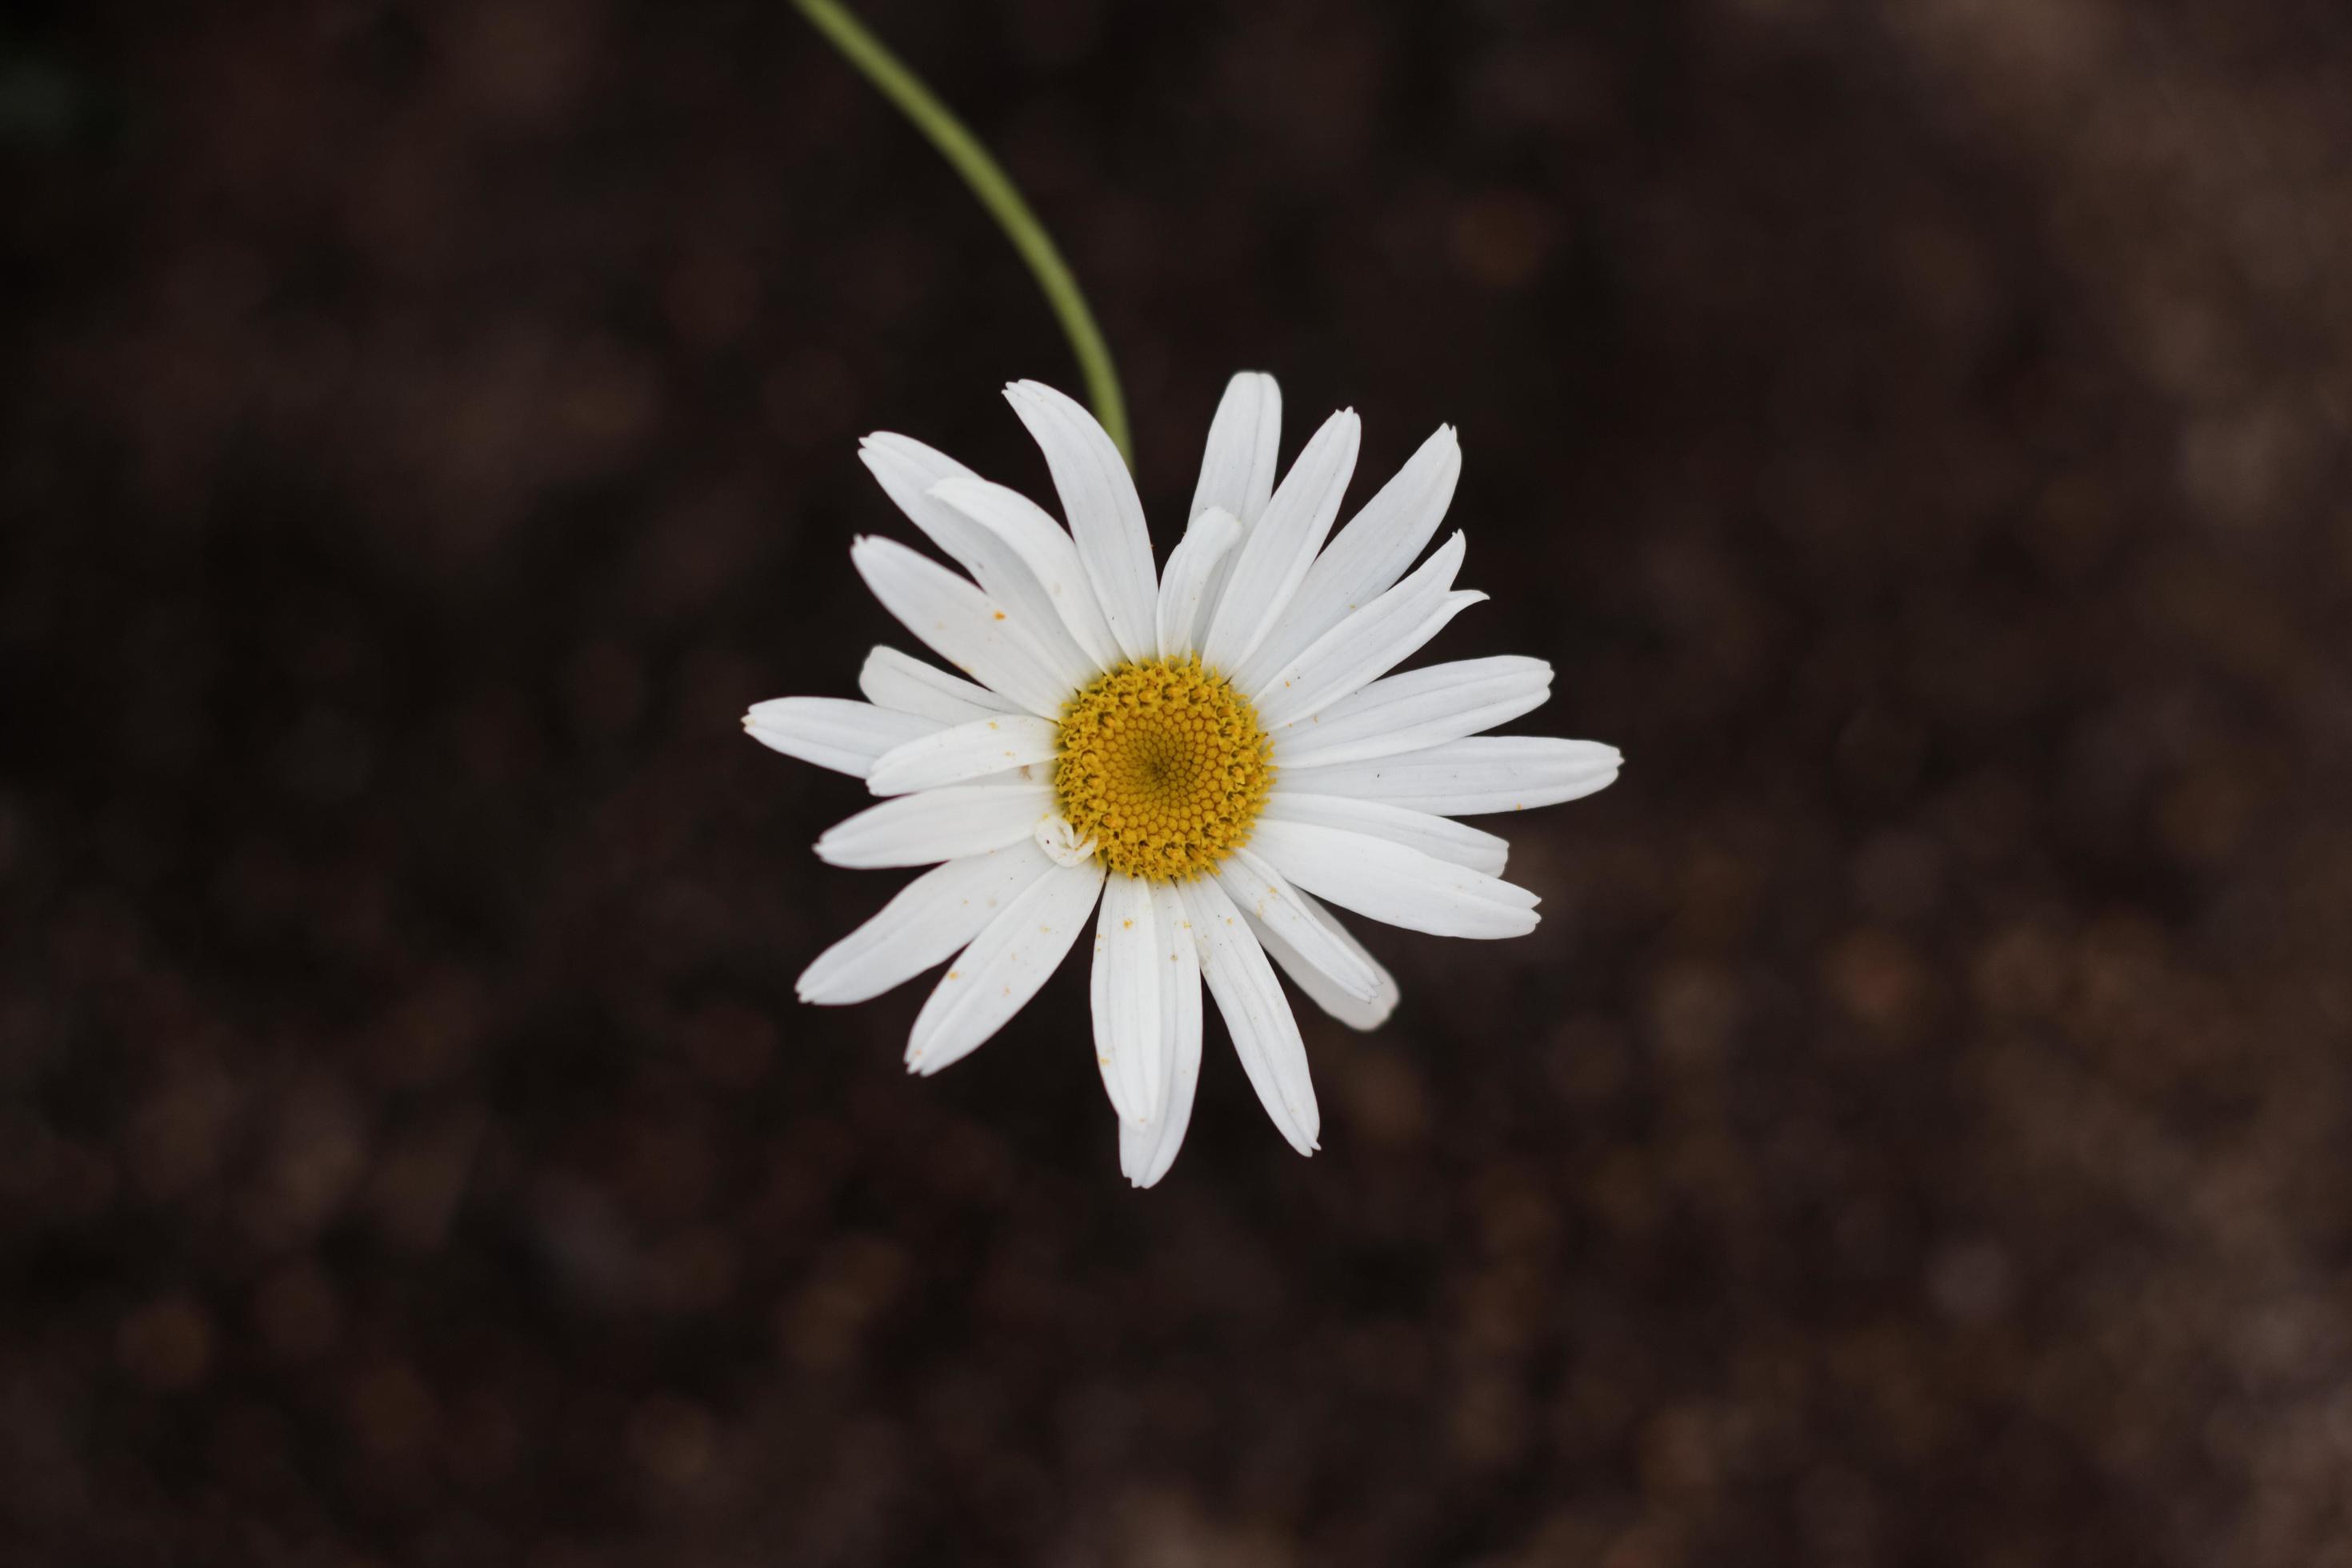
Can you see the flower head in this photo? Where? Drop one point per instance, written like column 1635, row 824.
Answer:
column 1163, row 766
column 1197, row 755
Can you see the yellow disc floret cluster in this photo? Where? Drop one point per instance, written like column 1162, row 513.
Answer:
column 1163, row 766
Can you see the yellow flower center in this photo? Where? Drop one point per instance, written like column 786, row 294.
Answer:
column 1163, row 766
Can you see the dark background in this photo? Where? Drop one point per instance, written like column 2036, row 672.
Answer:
column 1921, row 1131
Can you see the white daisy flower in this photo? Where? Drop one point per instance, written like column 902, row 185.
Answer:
column 1207, row 753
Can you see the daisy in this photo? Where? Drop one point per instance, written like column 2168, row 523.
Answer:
column 1199, row 757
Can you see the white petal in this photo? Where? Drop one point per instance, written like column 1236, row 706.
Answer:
column 1421, row 708
column 1048, row 557
column 1237, row 469
column 1392, row 883
column 1105, row 514
column 938, row 824
column 1367, row 630
column 907, row 469
column 1125, row 990
column 907, row 685
column 910, row 472
column 1434, row 836
column 1256, row 1014
column 995, row 976
column 931, row 917
column 1265, row 895
column 1355, row 1012
column 962, row 625
column 1237, row 472
column 834, row 733
column 971, row 751
column 1184, row 588
column 1280, row 546
column 1145, row 1152
column 1060, row 841
column 1325, row 684
column 1366, row 557
column 1472, row 777
column 1368, row 643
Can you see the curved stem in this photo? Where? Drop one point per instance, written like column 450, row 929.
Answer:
column 996, row 193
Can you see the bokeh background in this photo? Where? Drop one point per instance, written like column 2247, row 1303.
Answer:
column 1921, row 1131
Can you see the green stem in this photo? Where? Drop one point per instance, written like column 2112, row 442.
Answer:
column 996, row 193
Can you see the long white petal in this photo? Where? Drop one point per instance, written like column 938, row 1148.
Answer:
column 1265, row 895
column 1326, row 684
column 995, row 976
column 1184, row 587
column 911, row 473
column 837, row 732
column 931, row 917
column 1048, row 556
column 962, row 625
column 1145, row 1152
column 1256, row 1014
column 905, row 684
column 1105, row 514
column 972, row 750
column 907, row 469
column 1440, row 837
column 1396, row 885
column 1237, row 469
column 1280, row 546
column 1125, row 992
column 1386, row 619
column 1367, row 645
column 1365, row 558
column 1418, row 709
column 938, row 824
column 1471, row 777
column 1357, row 1013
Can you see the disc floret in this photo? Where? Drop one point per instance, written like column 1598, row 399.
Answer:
column 1164, row 766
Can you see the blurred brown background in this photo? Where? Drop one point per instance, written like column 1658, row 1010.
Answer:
column 1920, row 1133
